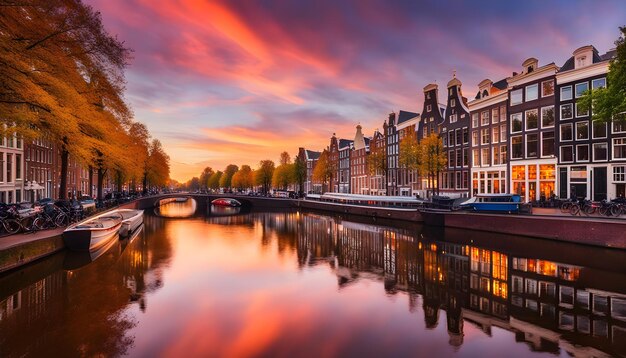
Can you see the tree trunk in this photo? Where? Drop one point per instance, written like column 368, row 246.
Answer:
column 91, row 181
column 64, row 166
column 101, row 173
column 144, row 182
column 118, row 177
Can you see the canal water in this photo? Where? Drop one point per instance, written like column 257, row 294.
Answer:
column 234, row 284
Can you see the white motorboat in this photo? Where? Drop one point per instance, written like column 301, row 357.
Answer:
column 93, row 233
column 132, row 219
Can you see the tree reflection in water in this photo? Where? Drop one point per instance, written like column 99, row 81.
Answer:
column 230, row 280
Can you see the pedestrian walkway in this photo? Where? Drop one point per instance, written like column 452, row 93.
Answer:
column 19, row 239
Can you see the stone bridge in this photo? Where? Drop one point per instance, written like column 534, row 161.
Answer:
column 202, row 200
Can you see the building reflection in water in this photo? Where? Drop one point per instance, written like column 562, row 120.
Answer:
column 549, row 302
column 548, row 305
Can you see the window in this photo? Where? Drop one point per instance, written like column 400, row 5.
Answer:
column 516, row 122
column 517, row 148
column 567, row 154
column 451, row 138
column 495, row 115
column 503, row 158
column 465, row 157
column 582, row 153
column 496, row 155
column 619, row 148
column 547, row 88
column 429, row 107
column 582, row 130
column 547, row 117
column 502, row 113
column 516, row 97
column 453, row 118
column 619, row 174
column 619, row 127
column 465, row 135
column 532, row 92
column 459, row 159
column 599, row 129
column 484, row 118
column 474, row 120
column 547, row 144
column 452, row 102
column 451, row 158
column 567, row 132
column 566, row 93
column 531, row 145
column 600, row 151
column 18, row 167
column 9, row 176
column 485, row 136
column 581, row 88
column 580, row 112
column 598, row 83
column 566, row 111
column 474, row 138
column 495, row 134
column 503, row 133
column 475, row 159
column 531, row 119
column 485, row 156
column 459, row 136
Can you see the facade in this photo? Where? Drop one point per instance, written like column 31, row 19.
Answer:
column 454, row 180
column 391, row 139
column 345, row 150
column 408, row 180
column 39, row 168
column 489, row 138
column 378, row 184
column 431, row 122
column 310, row 158
column 592, row 155
column 333, row 160
column 11, row 170
column 359, row 174
column 532, row 151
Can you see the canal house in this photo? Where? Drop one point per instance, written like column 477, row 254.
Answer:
column 378, row 184
column 454, row 179
column 408, row 180
column 532, row 155
column 431, row 122
column 592, row 155
column 359, row 174
column 345, row 149
column 489, row 138
column 391, row 138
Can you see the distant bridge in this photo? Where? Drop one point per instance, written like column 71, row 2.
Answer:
column 202, row 200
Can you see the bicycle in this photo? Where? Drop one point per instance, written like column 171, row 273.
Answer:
column 566, row 205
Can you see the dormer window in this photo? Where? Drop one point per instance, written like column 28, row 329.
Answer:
column 530, row 69
column 485, row 93
column 581, row 61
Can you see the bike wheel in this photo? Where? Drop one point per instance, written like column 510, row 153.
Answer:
column 11, row 226
column 574, row 209
column 604, row 210
column 61, row 220
column 616, row 210
column 589, row 210
column 565, row 207
column 39, row 224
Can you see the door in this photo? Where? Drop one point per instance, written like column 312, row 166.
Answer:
column 578, row 191
column 599, row 184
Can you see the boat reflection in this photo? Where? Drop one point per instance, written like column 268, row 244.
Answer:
column 177, row 209
column 221, row 210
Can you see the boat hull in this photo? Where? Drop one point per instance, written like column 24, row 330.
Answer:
column 90, row 240
column 132, row 220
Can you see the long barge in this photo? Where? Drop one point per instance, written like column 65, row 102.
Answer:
column 390, row 207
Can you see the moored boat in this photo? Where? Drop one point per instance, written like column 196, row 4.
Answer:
column 497, row 203
column 132, row 219
column 93, row 233
column 226, row 202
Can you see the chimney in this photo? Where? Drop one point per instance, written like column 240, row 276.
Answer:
column 514, row 74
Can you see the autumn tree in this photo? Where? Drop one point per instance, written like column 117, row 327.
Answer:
column 226, row 179
column 263, row 175
column 284, row 174
column 609, row 103
column 243, row 179
column 300, row 172
column 159, row 165
column 323, row 170
column 205, row 176
column 432, row 159
column 377, row 162
column 214, row 180
column 61, row 74
column 409, row 153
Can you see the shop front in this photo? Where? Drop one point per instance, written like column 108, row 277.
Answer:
column 588, row 182
column 489, row 181
column 534, row 182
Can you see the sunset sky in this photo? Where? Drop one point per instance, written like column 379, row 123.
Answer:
column 240, row 81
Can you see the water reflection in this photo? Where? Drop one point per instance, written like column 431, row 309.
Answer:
column 307, row 284
column 219, row 210
column 177, row 209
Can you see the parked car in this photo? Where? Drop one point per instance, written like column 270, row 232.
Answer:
column 44, row 201
column 87, row 202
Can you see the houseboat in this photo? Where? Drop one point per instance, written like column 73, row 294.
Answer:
column 497, row 203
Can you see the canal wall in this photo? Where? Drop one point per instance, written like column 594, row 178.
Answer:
column 587, row 231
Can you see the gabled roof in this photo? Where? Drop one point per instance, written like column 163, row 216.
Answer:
column 343, row 143
column 501, row 85
column 570, row 65
column 312, row 155
column 404, row 116
column 442, row 109
column 610, row 54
